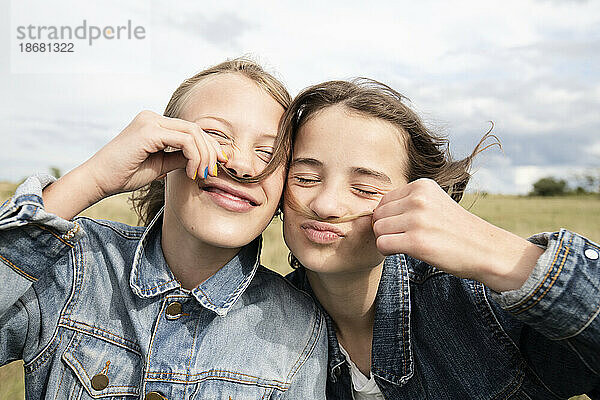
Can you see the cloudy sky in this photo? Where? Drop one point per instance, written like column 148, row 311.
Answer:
column 533, row 67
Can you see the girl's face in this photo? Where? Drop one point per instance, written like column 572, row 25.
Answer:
column 244, row 119
column 342, row 165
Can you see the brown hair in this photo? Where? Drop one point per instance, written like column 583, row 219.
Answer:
column 148, row 201
column 428, row 153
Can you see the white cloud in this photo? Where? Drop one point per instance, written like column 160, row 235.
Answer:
column 594, row 150
column 531, row 66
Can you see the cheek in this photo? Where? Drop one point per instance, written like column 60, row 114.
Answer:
column 291, row 228
column 298, row 200
column 273, row 186
column 363, row 235
column 289, row 219
column 178, row 187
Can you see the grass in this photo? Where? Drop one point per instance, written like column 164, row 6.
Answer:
column 523, row 216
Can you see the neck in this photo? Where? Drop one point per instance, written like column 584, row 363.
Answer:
column 191, row 260
column 349, row 298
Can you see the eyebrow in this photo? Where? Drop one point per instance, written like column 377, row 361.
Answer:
column 228, row 124
column 221, row 120
column 372, row 173
column 312, row 162
column 309, row 162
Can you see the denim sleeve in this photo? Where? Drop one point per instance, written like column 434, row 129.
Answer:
column 31, row 241
column 561, row 299
column 310, row 380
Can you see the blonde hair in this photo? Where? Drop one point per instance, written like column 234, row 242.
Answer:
column 148, row 200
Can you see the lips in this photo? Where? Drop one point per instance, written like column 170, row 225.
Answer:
column 321, row 232
column 230, row 198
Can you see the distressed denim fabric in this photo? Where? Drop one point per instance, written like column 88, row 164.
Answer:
column 94, row 311
column 440, row 337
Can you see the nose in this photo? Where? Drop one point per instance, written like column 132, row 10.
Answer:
column 327, row 203
column 240, row 163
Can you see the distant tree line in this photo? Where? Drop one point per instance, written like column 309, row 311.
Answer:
column 587, row 183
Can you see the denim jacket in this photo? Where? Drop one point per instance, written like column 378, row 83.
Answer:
column 439, row 337
column 94, row 311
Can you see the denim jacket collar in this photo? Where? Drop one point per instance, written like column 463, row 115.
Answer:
column 151, row 276
column 392, row 358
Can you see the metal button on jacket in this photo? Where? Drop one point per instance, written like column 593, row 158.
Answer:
column 99, row 381
column 174, row 309
column 591, row 254
column 154, row 396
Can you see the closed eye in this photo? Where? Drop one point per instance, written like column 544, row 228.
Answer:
column 220, row 136
column 265, row 153
column 305, row 180
column 367, row 191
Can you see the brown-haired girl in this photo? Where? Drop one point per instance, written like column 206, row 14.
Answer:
column 180, row 308
column 425, row 300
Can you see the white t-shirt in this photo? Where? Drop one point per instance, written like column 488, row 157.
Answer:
column 363, row 388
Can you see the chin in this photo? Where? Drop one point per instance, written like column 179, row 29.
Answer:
column 228, row 234
column 320, row 267
column 227, row 243
column 332, row 259
column 314, row 259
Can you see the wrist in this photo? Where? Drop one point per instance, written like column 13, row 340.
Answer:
column 71, row 194
column 510, row 262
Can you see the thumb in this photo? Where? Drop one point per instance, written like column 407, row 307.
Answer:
column 172, row 161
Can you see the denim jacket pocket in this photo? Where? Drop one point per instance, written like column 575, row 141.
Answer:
column 102, row 368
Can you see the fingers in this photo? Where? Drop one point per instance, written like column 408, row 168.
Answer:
column 397, row 222
column 206, row 156
column 411, row 197
column 178, row 124
column 214, row 153
column 396, row 194
column 172, row 161
column 392, row 244
column 208, row 149
column 419, row 191
column 390, row 225
column 391, row 208
column 187, row 144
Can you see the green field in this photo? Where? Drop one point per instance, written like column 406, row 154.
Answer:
column 521, row 215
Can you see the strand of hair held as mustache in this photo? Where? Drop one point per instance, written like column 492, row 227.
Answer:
column 298, row 207
column 305, row 211
column 293, row 203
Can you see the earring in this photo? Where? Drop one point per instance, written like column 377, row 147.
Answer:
column 293, row 261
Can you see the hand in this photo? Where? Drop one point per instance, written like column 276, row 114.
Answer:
column 135, row 157
column 421, row 220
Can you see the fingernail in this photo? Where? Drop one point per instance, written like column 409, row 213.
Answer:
column 225, row 155
column 215, row 170
column 205, row 172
